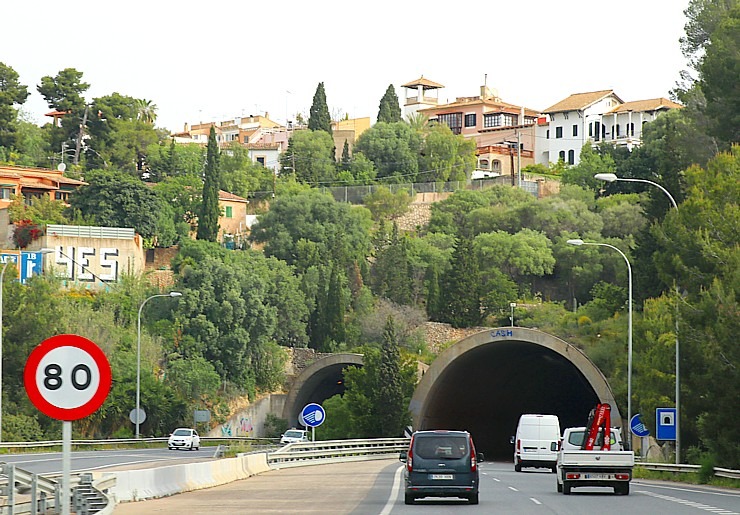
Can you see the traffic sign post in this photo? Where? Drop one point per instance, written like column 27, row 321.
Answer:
column 312, row 415
column 665, row 422
column 639, row 429
column 67, row 377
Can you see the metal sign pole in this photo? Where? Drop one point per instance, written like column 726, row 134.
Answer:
column 66, row 463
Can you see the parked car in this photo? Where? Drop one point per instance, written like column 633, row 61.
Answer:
column 294, row 436
column 441, row 464
column 536, row 442
column 184, row 438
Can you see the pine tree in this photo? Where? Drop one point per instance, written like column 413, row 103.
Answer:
column 434, row 295
column 389, row 400
column 210, row 210
column 390, row 109
column 319, row 119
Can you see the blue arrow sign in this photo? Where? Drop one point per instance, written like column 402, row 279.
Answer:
column 312, row 415
column 637, row 427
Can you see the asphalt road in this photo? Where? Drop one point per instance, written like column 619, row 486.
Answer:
column 374, row 488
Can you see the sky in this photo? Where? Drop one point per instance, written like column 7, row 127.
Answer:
column 202, row 61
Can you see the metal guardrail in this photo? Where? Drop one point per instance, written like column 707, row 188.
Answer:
column 308, row 453
column 691, row 469
column 44, row 493
column 132, row 441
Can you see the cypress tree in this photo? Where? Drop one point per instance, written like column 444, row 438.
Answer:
column 461, row 284
column 390, row 109
column 389, row 406
column 209, row 209
column 346, row 162
column 319, row 119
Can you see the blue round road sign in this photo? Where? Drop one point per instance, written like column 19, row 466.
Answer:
column 637, row 427
column 312, row 415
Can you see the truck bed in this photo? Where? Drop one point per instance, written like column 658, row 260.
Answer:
column 598, row 459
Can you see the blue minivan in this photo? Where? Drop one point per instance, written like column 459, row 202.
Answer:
column 441, row 464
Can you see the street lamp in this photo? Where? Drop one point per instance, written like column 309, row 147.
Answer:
column 512, row 305
column 138, row 354
column 629, row 322
column 610, row 177
column 2, row 277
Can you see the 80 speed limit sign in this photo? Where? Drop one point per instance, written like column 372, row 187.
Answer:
column 67, row 377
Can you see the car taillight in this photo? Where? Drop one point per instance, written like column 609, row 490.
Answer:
column 622, row 477
column 571, row 475
column 473, row 460
column 410, row 456
column 518, row 445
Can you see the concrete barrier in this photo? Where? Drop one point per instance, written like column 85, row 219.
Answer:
column 139, row 485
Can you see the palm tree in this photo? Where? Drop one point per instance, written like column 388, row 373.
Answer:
column 146, row 110
column 418, row 121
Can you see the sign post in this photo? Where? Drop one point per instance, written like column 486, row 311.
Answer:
column 312, row 415
column 67, row 377
column 639, row 429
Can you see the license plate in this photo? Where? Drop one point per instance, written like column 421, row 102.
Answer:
column 441, row 476
column 598, row 476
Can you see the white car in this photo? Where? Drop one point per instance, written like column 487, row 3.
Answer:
column 184, row 438
column 294, row 436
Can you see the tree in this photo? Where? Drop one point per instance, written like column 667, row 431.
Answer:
column 461, row 284
column 390, row 109
column 346, row 161
column 146, row 111
column 210, row 210
column 64, row 91
column 445, row 156
column 383, row 204
column 393, row 415
column 308, row 158
column 394, row 150
column 720, row 68
column 12, row 93
column 319, row 119
column 391, row 271
column 116, row 199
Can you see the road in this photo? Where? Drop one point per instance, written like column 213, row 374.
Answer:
column 374, row 488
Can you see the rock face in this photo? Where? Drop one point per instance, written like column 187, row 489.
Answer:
column 438, row 333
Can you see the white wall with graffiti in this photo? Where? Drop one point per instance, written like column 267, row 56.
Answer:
column 250, row 421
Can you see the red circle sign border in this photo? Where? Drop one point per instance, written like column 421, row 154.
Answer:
column 67, row 340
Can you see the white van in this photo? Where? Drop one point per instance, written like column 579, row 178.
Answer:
column 536, row 442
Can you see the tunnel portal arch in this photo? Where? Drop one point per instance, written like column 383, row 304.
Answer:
column 319, row 381
column 484, row 382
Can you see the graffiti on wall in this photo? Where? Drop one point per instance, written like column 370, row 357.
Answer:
column 241, row 428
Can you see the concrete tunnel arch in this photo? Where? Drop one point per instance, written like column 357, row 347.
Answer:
column 317, row 382
column 484, row 382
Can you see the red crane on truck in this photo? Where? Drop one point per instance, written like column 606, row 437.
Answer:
column 599, row 419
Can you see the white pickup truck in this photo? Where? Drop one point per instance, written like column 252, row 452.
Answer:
column 597, row 467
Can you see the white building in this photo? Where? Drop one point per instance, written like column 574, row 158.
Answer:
column 591, row 118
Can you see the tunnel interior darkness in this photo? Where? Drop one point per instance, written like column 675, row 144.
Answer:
column 325, row 383
column 486, row 389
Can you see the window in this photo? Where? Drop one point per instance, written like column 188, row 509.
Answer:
column 547, row 136
column 575, row 130
column 61, row 195
column 630, row 129
column 483, row 164
column 5, row 193
column 558, row 132
column 617, row 130
column 229, row 212
column 597, row 129
column 571, row 157
column 470, row 120
column 510, row 119
column 492, row 120
column 453, row 121
column 496, row 165
column 561, row 155
column 590, row 129
column 261, row 160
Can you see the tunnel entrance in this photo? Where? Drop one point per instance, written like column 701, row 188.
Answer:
column 483, row 383
column 319, row 381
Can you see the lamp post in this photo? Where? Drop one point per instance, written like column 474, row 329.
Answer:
column 2, row 277
column 138, row 353
column 610, row 177
column 512, row 305
column 629, row 321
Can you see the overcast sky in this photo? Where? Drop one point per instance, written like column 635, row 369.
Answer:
column 203, row 61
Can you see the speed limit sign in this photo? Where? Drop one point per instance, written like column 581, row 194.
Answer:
column 67, row 377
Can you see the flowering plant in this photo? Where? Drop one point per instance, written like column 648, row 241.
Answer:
column 25, row 232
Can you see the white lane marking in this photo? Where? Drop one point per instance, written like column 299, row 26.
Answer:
column 394, row 492
column 534, row 500
column 684, row 489
column 514, row 489
column 693, row 504
column 497, row 479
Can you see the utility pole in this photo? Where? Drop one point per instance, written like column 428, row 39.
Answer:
column 519, row 156
column 80, row 134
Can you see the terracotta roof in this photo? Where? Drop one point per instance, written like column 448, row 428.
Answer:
column 652, row 104
column 490, row 104
column 225, row 195
column 421, row 81
column 579, row 101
